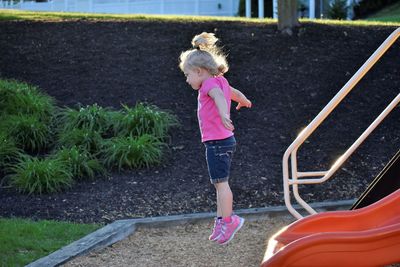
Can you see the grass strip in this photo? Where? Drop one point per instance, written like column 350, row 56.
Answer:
column 11, row 14
column 389, row 13
column 24, row 241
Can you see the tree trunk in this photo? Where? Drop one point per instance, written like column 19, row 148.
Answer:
column 287, row 15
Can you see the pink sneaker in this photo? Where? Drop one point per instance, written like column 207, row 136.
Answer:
column 216, row 230
column 229, row 229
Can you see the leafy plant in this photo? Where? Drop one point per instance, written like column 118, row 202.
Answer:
column 34, row 175
column 81, row 163
column 132, row 152
column 93, row 118
column 84, row 139
column 28, row 131
column 8, row 149
column 29, row 120
column 21, row 98
column 143, row 119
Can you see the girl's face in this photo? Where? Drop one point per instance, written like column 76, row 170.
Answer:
column 195, row 77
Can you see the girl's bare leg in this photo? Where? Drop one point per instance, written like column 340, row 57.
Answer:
column 224, row 199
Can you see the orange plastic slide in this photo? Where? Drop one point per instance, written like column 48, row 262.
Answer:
column 369, row 236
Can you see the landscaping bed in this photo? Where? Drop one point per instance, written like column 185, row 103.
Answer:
column 288, row 79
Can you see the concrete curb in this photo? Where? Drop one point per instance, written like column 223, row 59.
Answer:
column 121, row 229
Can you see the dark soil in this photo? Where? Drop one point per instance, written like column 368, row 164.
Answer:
column 288, row 79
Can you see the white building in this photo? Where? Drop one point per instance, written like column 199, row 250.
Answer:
column 311, row 8
column 172, row 7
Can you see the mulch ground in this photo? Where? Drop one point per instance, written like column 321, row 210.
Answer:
column 288, row 79
column 187, row 244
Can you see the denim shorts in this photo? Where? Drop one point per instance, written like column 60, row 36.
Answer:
column 219, row 155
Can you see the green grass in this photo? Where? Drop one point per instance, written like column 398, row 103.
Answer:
column 390, row 13
column 7, row 14
column 355, row 23
column 23, row 241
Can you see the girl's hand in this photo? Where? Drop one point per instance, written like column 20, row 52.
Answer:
column 246, row 103
column 227, row 122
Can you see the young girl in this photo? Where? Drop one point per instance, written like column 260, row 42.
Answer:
column 204, row 67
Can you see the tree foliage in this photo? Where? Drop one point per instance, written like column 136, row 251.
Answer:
column 338, row 9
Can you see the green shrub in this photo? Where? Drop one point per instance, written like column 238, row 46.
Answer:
column 338, row 9
column 8, row 150
column 143, row 119
column 81, row 163
column 21, row 98
column 132, row 152
column 34, row 175
column 29, row 120
column 28, row 131
column 84, row 139
column 93, row 118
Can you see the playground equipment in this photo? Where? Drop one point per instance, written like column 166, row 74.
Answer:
column 367, row 235
column 384, row 184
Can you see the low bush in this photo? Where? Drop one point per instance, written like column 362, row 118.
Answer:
column 81, row 163
column 84, row 139
column 28, row 131
column 132, row 152
column 92, row 118
column 21, row 98
column 143, row 119
column 34, row 175
column 8, row 150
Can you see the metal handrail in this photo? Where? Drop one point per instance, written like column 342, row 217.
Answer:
column 291, row 151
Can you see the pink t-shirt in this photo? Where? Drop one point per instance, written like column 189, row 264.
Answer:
column 210, row 123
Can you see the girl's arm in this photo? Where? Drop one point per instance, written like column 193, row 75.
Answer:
column 240, row 98
column 220, row 101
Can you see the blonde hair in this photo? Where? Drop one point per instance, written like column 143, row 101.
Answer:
column 206, row 54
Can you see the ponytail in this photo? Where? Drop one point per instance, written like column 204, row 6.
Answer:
column 206, row 54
